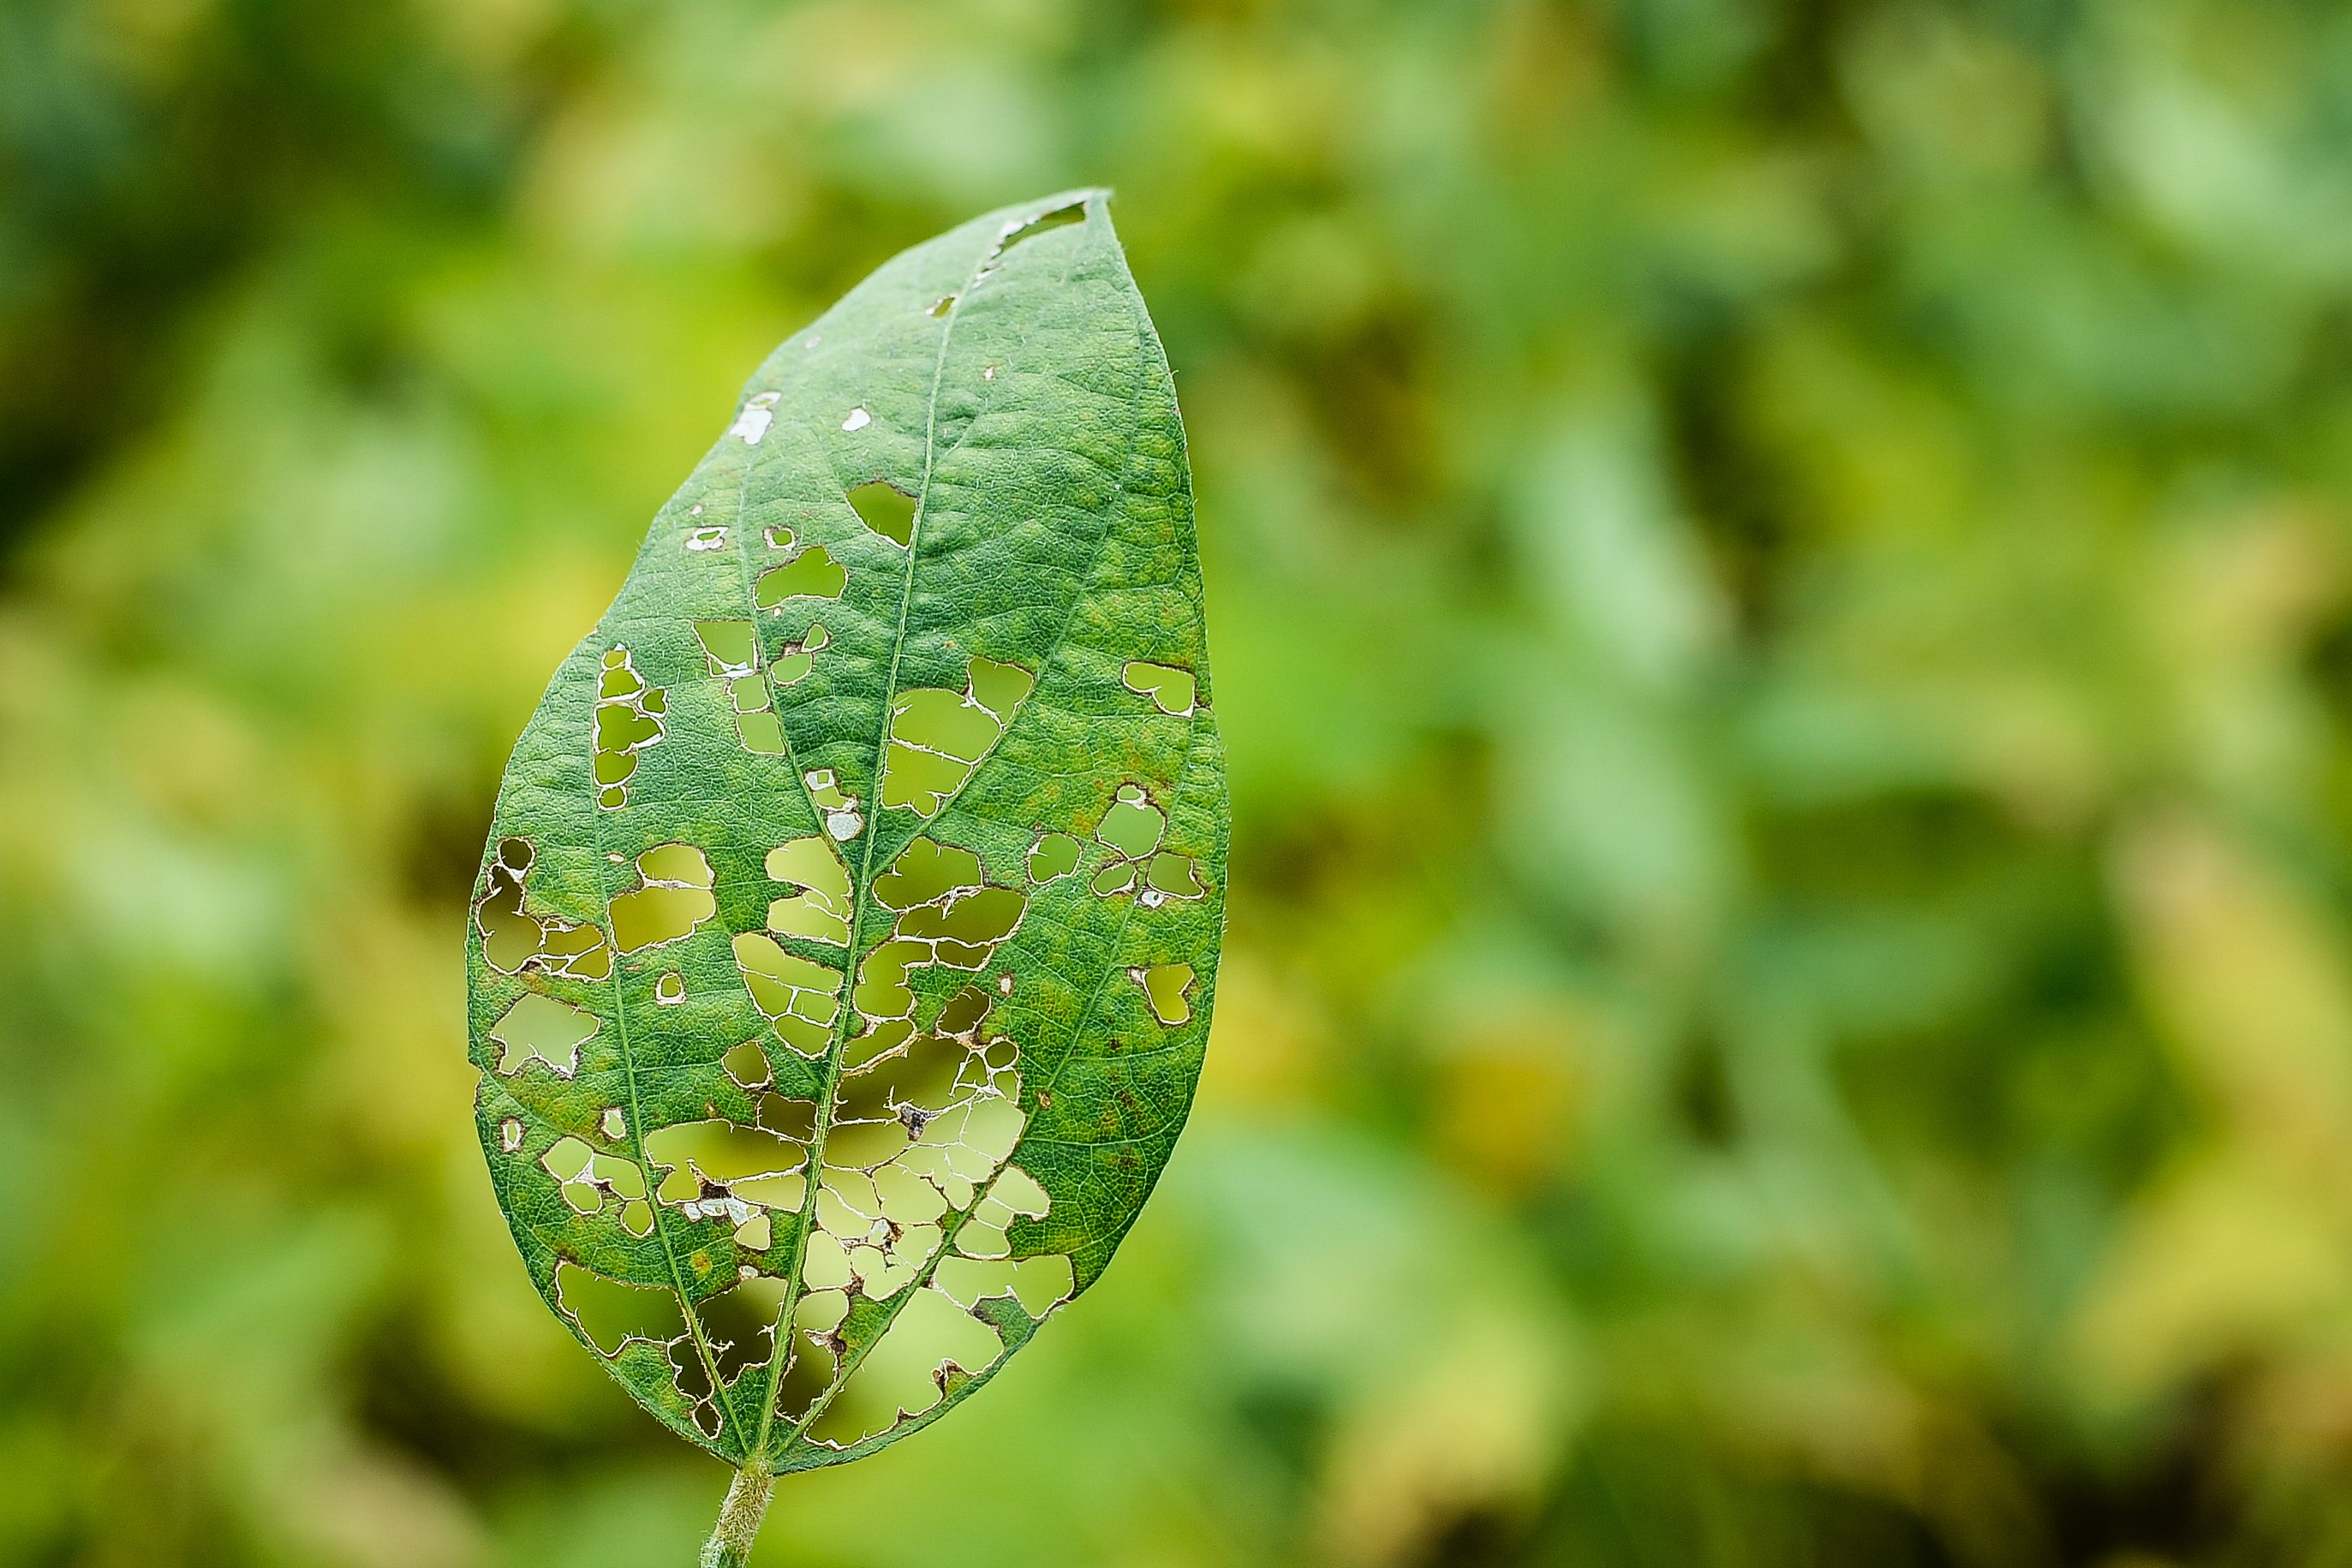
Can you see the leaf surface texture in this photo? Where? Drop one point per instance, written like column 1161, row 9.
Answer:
column 843, row 955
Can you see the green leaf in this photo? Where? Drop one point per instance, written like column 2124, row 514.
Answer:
column 843, row 949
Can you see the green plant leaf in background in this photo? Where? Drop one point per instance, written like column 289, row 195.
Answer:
column 842, row 953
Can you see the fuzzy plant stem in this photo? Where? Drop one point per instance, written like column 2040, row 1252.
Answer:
column 729, row 1545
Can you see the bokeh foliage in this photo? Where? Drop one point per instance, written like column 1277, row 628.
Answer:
column 1779, row 578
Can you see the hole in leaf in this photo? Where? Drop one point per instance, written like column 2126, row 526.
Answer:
column 881, row 1036
column 882, row 990
column 821, row 1311
column 707, row 538
column 540, row 1028
column 621, row 1175
column 1164, row 986
column 591, row 1182
column 841, row 815
column 965, row 1011
column 820, row 911
column 707, row 1419
column 849, row 1210
column 731, row 646
column 1133, row 825
column 731, row 649
column 611, row 1314
column 513, row 940
column 811, row 1371
column 702, row 1156
column 946, row 303
column 946, row 920
column 757, row 413
column 1045, row 222
column 927, row 1078
column 938, row 737
column 510, row 937
column 963, row 1146
column 886, row 509
column 775, row 535
column 975, row 921
column 1170, row 876
column 825, row 1265
column 1013, row 1194
column 670, row 990
column 676, row 897
column 616, row 1126
column 921, row 1120
column 858, row 1146
column 511, row 1134
column 1169, row 689
column 788, row 1118
column 1054, row 856
column 923, row 781
column 748, row 695
column 1040, row 1284
column 884, row 1271
column 907, row 1198
column 681, row 864
column 746, row 1064
column 796, row 659
column 693, row 1379
column 999, row 687
column 738, row 1324
column 772, row 1192
column 925, row 872
column 800, row 998
column 909, row 1369
column 812, row 574
column 627, row 720
column 574, row 952
column 567, row 1158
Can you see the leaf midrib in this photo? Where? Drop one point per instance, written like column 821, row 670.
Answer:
column 1094, row 1000
column 861, row 899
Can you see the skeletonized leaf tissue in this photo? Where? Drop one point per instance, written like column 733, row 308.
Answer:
column 841, row 962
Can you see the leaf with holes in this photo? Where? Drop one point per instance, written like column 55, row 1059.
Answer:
column 842, row 958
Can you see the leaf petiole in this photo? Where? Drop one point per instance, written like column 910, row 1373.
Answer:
column 729, row 1545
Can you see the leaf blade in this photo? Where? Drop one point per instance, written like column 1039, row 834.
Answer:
column 896, row 703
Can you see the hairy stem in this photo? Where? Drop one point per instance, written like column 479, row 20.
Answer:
column 729, row 1545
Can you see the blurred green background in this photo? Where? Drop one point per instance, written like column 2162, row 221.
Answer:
column 1780, row 577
